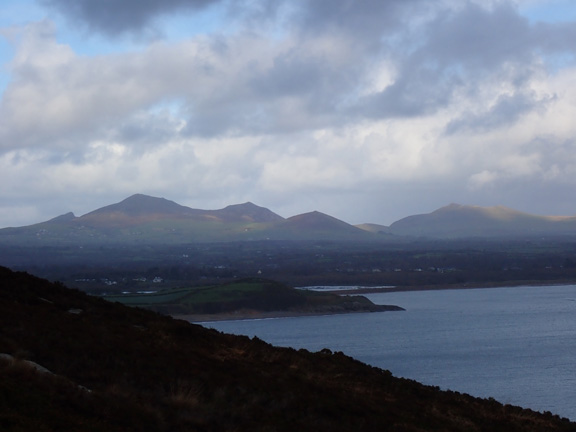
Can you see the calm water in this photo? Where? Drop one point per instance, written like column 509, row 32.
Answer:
column 517, row 345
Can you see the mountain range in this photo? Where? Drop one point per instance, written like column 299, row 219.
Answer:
column 145, row 219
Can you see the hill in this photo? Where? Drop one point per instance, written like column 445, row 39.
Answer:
column 248, row 298
column 464, row 221
column 73, row 362
column 318, row 226
column 247, row 212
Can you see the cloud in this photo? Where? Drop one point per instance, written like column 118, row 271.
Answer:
column 506, row 110
column 300, row 102
column 114, row 18
column 362, row 20
column 317, row 76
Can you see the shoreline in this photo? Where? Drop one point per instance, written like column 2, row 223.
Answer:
column 255, row 315
column 462, row 286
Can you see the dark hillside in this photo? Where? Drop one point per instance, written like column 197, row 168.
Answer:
column 71, row 362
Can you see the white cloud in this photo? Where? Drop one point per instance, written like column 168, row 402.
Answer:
column 482, row 179
column 448, row 98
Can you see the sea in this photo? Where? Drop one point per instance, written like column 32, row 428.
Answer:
column 514, row 344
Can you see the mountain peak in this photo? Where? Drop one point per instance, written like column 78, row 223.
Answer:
column 248, row 205
column 133, row 210
column 248, row 212
column 66, row 217
column 451, row 206
column 319, row 220
column 139, row 204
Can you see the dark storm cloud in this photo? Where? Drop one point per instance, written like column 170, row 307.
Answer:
column 556, row 36
column 365, row 19
column 450, row 53
column 437, row 53
column 478, row 39
column 312, row 81
column 290, row 88
column 314, row 71
column 114, row 17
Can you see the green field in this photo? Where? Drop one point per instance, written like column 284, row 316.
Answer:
column 258, row 295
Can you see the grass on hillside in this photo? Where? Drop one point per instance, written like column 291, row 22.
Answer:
column 248, row 294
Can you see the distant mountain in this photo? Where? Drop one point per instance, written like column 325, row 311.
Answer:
column 139, row 209
column 145, row 219
column 136, row 210
column 320, row 222
column 315, row 226
column 317, row 221
column 137, row 205
column 150, row 220
column 246, row 212
column 459, row 221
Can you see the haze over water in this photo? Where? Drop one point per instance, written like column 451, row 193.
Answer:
column 516, row 345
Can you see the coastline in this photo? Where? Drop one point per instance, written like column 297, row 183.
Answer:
column 460, row 286
column 256, row 315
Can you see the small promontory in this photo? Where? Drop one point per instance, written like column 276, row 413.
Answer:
column 248, row 298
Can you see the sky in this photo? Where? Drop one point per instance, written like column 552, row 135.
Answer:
column 367, row 110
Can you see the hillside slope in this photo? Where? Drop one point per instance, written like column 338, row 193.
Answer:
column 74, row 362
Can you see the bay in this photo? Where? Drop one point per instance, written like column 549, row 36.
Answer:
column 516, row 344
